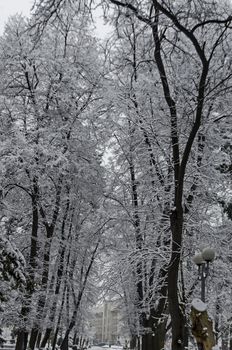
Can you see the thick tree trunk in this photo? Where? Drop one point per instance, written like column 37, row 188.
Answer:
column 133, row 342
column 64, row 344
column 230, row 343
column 75, row 339
column 21, row 343
column 139, row 343
column 38, row 339
column 22, row 335
column 40, row 308
column 46, row 337
column 55, row 338
column 177, row 316
column 44, row 285
column 33, row 338
column 147, row 342
column 50, row 228
column 159, row 335
column 60, row 273
column 154, row 341
column 59, row 318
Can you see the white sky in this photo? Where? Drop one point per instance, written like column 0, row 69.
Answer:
column 11, row 7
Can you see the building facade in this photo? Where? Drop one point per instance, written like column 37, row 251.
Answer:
column 107, row 323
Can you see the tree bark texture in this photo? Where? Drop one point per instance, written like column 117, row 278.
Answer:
column 22, row 335
column 60, row 273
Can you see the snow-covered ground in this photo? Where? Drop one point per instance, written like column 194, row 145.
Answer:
column 115, row 347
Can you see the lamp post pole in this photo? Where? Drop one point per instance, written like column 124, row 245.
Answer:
column 202, row 260
column 204, row 274
column 202, row 328
column 203, row 280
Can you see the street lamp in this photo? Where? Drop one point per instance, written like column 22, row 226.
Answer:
column 202, row 326
column 202, row 260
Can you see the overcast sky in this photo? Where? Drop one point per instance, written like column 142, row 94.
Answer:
column 11, row 7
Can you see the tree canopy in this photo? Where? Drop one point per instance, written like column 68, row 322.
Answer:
column 116, row 168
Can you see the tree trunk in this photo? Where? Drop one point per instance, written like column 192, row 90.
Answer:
column 21, row 343
column 55, row 338
column 33, row 337
column 60, row 273
column 139, row 343
column 59, row 318
column 133, row 342
column 57, row 291
column 64, row 345
column 46, row 337
column 230, row 343
column 22, row 335
column 177, row 317
column 159, row 336
column 46, row 262
column 75, row 339
column 186, row 335
column 44, row 285
column 152, row 341
column 38, row 339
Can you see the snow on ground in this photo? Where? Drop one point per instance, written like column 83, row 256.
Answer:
column 115, row 347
